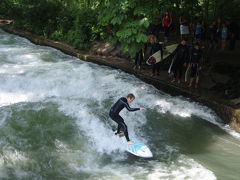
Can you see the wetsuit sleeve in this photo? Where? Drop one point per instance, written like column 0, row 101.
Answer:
column 126, row 105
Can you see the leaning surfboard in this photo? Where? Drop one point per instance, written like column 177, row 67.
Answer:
column 156, row 57
column 187, row 73
column 138, row 149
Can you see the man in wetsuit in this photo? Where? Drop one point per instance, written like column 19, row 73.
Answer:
column 194, row 63
column 181, row 55
column 114, row 114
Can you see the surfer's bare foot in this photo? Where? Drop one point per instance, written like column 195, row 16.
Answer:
column 130, row 142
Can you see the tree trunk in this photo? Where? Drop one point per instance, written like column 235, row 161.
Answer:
column 206, row 6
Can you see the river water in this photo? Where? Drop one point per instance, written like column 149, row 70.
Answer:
column 54, row 123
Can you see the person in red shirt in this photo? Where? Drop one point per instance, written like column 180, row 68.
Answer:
column 166, row 23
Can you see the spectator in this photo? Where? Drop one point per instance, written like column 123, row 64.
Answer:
column 212, row 36
column 204, row 33
column 184, row 28
column 166, row 23
column 233, row 31
column 155, row 46
column 180, row 58
column 138, row 60
column 198, row 32
column 219, row 27
column 191, row 31
column 147, row 48
column 154, row 28
column 224, row 35
column 194, row 63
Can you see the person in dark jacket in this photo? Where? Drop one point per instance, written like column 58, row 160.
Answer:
column 180, row 58
column 194, row 63
column 155, row 46
column 114, row 114
column 233, row 32
column 138, row 60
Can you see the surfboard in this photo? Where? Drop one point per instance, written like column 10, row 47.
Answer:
column 187, row 73
column 170, row 68
column 156, row 57
column 138, row 149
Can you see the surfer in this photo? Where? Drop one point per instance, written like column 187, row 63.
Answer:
column 155, row 47
column 180, row 59
column 138, row 60
column 114, row 114
column 194, row 63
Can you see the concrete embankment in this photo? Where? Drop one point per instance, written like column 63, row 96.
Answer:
column 228, row 112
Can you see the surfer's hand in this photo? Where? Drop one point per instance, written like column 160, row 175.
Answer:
column 141, row 108
column 130, row 142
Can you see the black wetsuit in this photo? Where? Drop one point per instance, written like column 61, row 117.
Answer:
column 180, row 57
column 139, row 58
column 154, row 48
column 114, row 114
column 195, row 58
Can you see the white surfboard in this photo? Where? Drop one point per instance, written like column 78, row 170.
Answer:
column 187, row 73
column 138, row 149
column 156, row 57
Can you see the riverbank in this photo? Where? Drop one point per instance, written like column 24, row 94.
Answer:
column 226, row 107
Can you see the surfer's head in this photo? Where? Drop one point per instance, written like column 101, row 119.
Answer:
column 130, row 97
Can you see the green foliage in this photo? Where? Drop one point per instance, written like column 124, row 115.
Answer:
column 80, row 22
column 128, row 22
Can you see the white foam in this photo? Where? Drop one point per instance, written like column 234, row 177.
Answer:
column 14, row 158
column 81, row 90
column 182, row 169
column 7, row 98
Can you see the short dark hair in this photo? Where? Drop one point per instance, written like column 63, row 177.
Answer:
column 131, row 96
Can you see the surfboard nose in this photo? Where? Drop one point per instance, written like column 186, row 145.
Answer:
column 145, row 152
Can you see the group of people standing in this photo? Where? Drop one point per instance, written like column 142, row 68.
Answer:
column 188, row 58
column 188, row 55
column 150, row 48
column 221, row 34
column 185, row 58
